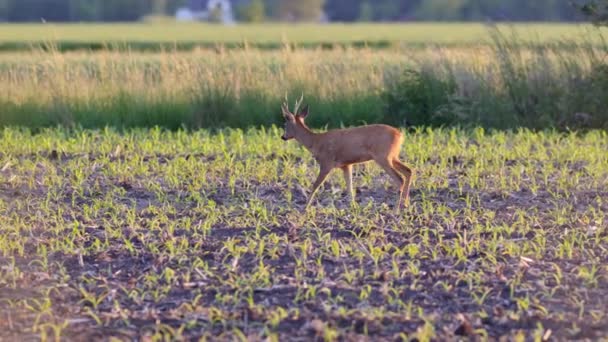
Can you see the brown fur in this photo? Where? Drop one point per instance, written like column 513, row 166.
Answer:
column 342, row 148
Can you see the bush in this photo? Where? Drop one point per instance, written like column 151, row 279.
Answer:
column 420, row 98
column 561, row 86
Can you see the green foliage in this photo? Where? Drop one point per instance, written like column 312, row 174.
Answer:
column 596, row 10
column 215, row 15
column 159, row 7
column 195, row 234
column 366, row 12
column 300, row 10
column 119, row 10
column 420, row 98
column 3, row 10
column 85, row 11
column 385, row 9
column 535, row 87
column 450, row 10
column 304, row 10
column 459, row 10
column 252, row 12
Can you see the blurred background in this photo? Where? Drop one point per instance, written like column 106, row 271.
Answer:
column 232, row 11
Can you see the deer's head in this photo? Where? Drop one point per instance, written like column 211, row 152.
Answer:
column 293, row 121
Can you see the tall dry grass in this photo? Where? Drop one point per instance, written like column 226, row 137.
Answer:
column 505, row 85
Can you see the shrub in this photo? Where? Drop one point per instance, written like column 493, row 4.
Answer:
column 560, row 86
column 420, row 98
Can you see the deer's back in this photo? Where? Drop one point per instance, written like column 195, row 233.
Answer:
column 359, row 144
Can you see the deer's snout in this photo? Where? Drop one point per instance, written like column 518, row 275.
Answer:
column 284, row 138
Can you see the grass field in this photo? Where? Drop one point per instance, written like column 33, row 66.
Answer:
column 181, row 235
column 149, row 36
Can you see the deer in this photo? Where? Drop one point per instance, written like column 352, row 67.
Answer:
column 343, row 148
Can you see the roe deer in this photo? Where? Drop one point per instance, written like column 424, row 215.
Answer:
column 341, row 148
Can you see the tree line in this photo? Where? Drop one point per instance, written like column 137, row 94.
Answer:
column 310, row 10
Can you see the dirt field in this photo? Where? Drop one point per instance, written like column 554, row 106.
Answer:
column 152, row 235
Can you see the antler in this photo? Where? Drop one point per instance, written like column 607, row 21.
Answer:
column 298, row 104
column 285, row 104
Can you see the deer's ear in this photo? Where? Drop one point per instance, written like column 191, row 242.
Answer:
column 304, row 113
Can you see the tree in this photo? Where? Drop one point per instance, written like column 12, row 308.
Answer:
column 35, row 11
column 173, row 5
column 159, row 7
column 385, row 9
column 3, row 10
column 300, row 10
column 311, row 10
column 343, row 10
column 366, row 12
column 254, row 12
column 441, row 9
column 596, row 10
column 121, row 10
column 84, row 10
column 216, row 14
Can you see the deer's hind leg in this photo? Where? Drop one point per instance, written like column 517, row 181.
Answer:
column 396, row 176
column 409, row 174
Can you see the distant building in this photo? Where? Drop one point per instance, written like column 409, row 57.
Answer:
column 207, row 10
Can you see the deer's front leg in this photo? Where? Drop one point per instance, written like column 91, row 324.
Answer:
column 348, row 178
column 320, row 179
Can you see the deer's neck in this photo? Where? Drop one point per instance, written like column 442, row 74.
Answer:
column 306, row 137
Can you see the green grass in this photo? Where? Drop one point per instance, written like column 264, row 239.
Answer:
column 177, row 235
column 199, row 89
column 505, row 85
column 149, row 36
